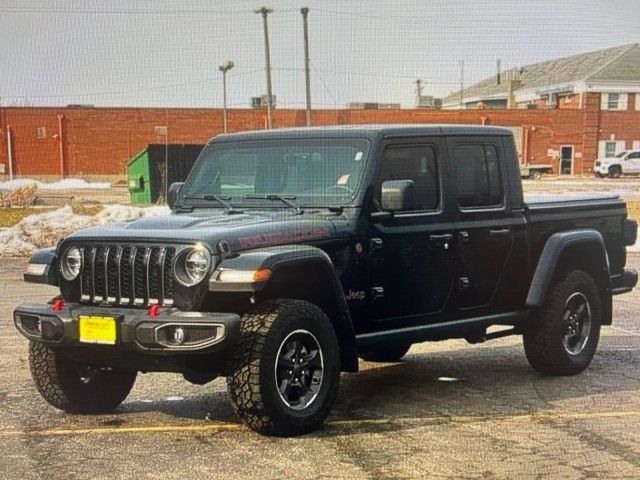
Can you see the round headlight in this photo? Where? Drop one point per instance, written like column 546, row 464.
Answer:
column 193, row 266
column 71, row 263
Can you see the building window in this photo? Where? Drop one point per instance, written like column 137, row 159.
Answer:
column 614, row 101
column 610, row 148
column 41, row 131
column 160, row 130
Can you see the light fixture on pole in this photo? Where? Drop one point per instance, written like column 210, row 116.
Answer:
column 224, row 68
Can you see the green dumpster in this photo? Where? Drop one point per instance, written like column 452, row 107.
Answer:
column 151, row 171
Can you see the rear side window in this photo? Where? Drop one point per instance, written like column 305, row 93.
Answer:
column 417, row 163
column 479, row 182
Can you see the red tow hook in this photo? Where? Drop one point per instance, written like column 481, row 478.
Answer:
column 153, row 311
column 57, row 305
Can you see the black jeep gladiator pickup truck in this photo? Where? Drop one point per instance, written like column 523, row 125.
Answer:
column 290, row 253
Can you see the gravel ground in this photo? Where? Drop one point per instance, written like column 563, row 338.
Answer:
column 449, row 411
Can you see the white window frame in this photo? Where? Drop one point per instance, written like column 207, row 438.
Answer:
column 602, row 147
column 637, row 101
column 636, row 145
column 621, row 104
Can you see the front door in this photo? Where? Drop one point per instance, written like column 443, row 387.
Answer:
column 566, row 160
column 486, row 226
column 415, row 250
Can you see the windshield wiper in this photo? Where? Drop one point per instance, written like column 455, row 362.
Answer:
column 224, row 201
column 274, row 196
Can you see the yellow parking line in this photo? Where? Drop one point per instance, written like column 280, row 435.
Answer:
column 228, row 427
column 219, row 427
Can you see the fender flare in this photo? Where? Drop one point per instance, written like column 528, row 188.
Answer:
column 556, row 246
column 282, row 258
column 47, row 262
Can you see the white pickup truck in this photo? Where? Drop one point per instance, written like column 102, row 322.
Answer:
column 624, row 163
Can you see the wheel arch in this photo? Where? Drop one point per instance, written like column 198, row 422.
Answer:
column 300, row 272
column 582, row 249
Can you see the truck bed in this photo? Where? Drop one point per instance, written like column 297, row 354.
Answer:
column 606, row 213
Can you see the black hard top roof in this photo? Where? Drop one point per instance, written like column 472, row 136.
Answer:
column 367, row 130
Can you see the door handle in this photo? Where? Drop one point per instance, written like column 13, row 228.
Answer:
column 440, row 239
column 500, row 232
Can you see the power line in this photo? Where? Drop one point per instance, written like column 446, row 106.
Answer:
column 324, row 84
column 134, row 90
column 118, row 11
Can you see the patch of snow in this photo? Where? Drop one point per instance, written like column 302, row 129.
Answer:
column 65, row 184
column 47, row 229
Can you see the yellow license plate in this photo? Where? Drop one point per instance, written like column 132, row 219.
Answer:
column 97, row 330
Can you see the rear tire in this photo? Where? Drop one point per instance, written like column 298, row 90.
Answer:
column 285, row 368
column 386, row 353
column 75, row 388
column 563, row 337
column 615, row 171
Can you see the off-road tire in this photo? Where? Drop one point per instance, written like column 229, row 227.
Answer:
column 58, row 380
column 252, row 380
column 542, row 338
column 615, row 171
column 385, row 353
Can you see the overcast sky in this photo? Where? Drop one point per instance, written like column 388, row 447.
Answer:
column 164, row 53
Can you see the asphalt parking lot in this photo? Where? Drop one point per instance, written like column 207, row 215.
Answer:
column 450, row 410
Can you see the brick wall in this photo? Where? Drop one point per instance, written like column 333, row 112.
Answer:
column 99, row 141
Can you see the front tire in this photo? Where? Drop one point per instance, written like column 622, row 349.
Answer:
column 563, row 337
column 615, row 172
column 76, row 388
column 285, row 368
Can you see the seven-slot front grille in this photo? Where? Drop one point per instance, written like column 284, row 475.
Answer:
column 127, row 275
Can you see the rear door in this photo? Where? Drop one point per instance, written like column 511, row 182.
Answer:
column 487, row 226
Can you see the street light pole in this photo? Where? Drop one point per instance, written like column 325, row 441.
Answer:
column 305, row 24
column 264, row 11
column 224, row 68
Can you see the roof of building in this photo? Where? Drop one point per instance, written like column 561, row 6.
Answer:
column 612, row 65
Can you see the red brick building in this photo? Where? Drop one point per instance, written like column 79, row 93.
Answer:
column 580, row 121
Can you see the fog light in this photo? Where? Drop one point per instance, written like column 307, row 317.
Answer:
column 178, row 335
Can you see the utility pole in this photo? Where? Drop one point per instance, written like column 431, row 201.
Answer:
column 461, row 83
column 224, row 68
column 264, row 11
column 499, row 72
column 307, row 76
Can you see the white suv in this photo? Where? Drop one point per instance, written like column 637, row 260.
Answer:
column 624, row 163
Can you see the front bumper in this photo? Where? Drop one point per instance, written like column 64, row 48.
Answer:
column 136, row 329
column 601, row 169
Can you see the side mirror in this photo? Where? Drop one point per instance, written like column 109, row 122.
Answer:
column 397, row 195
column 172, row 194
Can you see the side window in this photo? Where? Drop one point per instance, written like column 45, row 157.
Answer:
column 479, row 181
column 417, row 163
column 633, row 155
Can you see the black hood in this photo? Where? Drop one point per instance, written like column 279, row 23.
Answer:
column 251, row 229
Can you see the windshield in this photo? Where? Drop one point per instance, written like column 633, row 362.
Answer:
column 313, row 172
column 621, row 154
